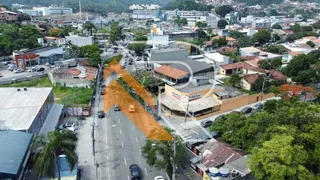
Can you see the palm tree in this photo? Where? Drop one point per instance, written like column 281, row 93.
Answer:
column 160, row 154
column 48, row 148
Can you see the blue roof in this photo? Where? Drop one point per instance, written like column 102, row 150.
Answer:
column 13, row 147
column 64, row 168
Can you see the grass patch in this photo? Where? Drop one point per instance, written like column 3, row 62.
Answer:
column 247, row 91
column 116, row 58
column 65, row 95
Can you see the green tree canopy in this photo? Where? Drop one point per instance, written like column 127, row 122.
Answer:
column 222, row 24
column 223, row 10
column 236, row 34
column 277, row 49
column 311, row 44
column 115, row 32
column 55, row 32
column 276, row 26
column 235, row 80
column 262, row 36
column 201, row 24
column 138, row 48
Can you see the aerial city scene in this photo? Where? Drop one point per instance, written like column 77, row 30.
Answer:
column 159, row 90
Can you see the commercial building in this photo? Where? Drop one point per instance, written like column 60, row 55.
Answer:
column 211, row 20
column 46, row 11
column 80, row 40
column 25, row 109
column 41, row 55
column 14, row 153
column 162, row 55
column 144, row 6
column 145, row 14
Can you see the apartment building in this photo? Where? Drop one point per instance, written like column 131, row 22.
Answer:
column 7, row 16
column 46, row 11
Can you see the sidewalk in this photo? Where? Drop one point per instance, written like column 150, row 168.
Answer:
column 84, row 149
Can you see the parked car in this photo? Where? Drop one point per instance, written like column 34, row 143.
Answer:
column 258, row 106
column 116, row 108
column 101, row 91
column 100, row 114
column 135, row 172
column 69, row 125
column 18, row 70
column 206, row 124
column 318, row 86
column 246, row 110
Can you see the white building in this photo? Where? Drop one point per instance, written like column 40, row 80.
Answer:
column 80, row 40
column 249, row 31
column 144, row 6
column 144, row 14
column 158, row 38
column 211, row 20
column 218, row 59
column 46, row 11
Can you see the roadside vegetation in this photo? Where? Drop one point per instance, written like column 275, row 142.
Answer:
column 66, row 95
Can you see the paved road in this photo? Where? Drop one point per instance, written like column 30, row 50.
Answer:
column 118, row 145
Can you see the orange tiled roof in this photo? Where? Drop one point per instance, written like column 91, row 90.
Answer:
column 251, row 78
column 243, row 65
column 227, row 38
column 277, row 75
column 171, row 72
column 294, row 53
column 74, row 71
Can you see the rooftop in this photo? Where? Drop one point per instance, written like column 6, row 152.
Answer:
column 171, row 72
column 21, row 107
column 251, row 78
column 195, row 66
column 40, row 49
column 13, row 147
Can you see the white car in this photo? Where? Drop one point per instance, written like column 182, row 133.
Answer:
column 69, row 125
column 19, row 70
column 159, row 178
column 318, row 86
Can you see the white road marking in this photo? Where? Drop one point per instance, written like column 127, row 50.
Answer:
column 114, row 125
column 108, row 170
column 132, row 126
column 122, row 144
column 107, row 157
column 125, row 160
column 109, row 176
column 128, row 178
column 146, row 171
column 140, row 151
column 120, row 131
column 136, row 139
column 118, row 120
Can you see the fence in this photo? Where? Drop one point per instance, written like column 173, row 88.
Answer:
column 21, row 78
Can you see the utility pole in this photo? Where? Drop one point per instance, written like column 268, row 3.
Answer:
column 173, row 163
column 187, row 111
column 80, row 9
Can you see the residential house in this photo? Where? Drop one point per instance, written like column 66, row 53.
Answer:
column 300, row 47
column 257, row 53
column 55, row 41
column 218, row 160
column 7, row 16
column 218, row 59
column 73, row 73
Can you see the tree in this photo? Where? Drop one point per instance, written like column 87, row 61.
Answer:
column 278, row 158
column 276, row 26
column 310, row 43
column 296, row 28
column 222, row 24
column 180, row 21
column 90, row 27
column 277, row 49
column 115, row 32
column 160, row 154
column 235, row 80
column 245, row 41
column 188, row 5
column 23, row 17
column 223, row 10
column 138, row 48
column 201, row 24
column 236, row 34
column 276, row 63
column 292, row 91
column 273, row 12
column 264, row 64
column 48, row 148
column 306, row 28
column 141, row 38
column 54, row 32
column 222, row 41
column 262, row 36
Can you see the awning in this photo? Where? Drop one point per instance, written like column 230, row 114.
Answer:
column 194, row 106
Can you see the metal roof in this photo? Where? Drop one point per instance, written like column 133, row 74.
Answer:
column 13, row 147
column 21, row 107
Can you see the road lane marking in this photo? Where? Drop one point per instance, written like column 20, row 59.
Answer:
column 122, row 144
column 136, row 139
column 113, row 125
column 109, row 176
column 140, row 151
column 132, row 126
column 108, row 170
column 120, row 131
column 128, row 178
column 118, row 120
column 107, row 157
column 125, row 160
column 146, row 171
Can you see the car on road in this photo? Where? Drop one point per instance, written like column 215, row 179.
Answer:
column 206, row 124
column 116, row 108
column 18, row 70
column 258, row 106
column 131, row 108
column 318, row 86
column 100, row 114
column 246, row 110
column 101, row 91
column 135, row 172
column 69, row 125
column 159, row 178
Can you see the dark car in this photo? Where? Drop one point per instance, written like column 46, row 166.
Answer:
column 116, row 108
column 246, row 110
column 102, row 91
column 258, row 106
column 40, row 69
column 135, row 172
column 100, row 114
column 206, row 124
